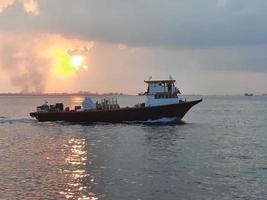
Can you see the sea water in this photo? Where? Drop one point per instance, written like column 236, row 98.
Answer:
column 219, row 152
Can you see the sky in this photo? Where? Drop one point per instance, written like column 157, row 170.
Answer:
column 208, row 46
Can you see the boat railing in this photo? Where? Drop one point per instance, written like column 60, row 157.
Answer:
column 108, row 104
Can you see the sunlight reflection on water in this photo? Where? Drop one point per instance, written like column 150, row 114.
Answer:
column 77, row 99
column 76, row 158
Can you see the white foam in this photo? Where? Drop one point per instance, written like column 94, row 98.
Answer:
column 12, row 120
column 162, row 120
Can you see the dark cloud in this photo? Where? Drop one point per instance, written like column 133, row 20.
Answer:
column 149, row 23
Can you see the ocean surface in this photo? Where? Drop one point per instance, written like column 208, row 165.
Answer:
column 220, row 152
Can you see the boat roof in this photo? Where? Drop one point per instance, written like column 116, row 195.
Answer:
column 160, row 81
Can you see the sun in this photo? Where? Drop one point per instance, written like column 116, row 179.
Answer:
column 66, row 64
column 77, row 61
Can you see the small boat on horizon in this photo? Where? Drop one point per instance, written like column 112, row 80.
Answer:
column 248, row 94
column 162, row 101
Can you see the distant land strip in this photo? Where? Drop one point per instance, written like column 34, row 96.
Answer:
column 63, row 94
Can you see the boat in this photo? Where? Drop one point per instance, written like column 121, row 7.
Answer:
column 162, row 101
column 248, row 94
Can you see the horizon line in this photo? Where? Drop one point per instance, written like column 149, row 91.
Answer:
column 103, row 94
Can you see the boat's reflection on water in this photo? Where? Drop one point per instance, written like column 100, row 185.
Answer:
column 75, row 173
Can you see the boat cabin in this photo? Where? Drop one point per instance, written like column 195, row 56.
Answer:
column 161, row 92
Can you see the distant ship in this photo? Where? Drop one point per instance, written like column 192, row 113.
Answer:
column 248, row 94
column 162, row 101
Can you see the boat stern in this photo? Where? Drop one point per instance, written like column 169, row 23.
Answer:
column 33, row 114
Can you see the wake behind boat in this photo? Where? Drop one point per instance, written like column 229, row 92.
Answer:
column 162, row 101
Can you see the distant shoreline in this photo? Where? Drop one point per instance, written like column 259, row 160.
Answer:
column 107, row 94
column 61, row 94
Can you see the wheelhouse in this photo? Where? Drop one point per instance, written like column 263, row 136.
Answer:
column 161, row 92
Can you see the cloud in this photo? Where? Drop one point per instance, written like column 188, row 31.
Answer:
column 20, row 59
column 5, row 4
column 175, row 24
column 81, row 50
column 30, row 6
column 29, row 59
column 122, row 46
column 221, row 3
column 156, row 36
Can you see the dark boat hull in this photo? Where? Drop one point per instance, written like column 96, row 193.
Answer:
column 120, row 115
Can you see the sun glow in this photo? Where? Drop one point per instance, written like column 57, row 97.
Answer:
column 66, row 57
column 77, row 61
column 65, row 64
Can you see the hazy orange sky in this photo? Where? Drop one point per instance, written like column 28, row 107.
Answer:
column 209, row 47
